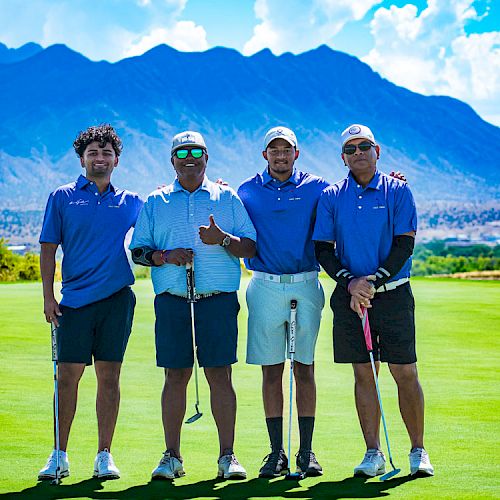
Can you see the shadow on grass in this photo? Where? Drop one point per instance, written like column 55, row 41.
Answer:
column 351, row 487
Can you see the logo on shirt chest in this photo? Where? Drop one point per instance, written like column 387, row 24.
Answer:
column 80, row 202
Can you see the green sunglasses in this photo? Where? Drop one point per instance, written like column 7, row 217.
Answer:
column 183, row 153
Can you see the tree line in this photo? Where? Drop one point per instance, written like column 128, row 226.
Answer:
column 434, row 257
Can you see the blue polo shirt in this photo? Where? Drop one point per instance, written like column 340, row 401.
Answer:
column 91, row 228
column 171, row 218
column 283, row 214
column 364, row 221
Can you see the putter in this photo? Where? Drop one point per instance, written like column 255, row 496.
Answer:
column 191, row 298
column 369, row 347
column 53, row 335
column 292, row 328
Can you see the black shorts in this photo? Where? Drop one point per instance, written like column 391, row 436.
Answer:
column 216, row 329
column 392, row 323
column 99, row 330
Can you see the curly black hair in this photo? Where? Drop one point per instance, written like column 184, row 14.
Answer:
column 103, row 134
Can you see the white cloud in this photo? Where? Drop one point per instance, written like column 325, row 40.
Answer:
column 296, row 26
column 184, row 35
column 98, row 29
column 430, row 53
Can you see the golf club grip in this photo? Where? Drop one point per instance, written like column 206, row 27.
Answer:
column 191, row 291
column 53, row 338
column 293, row 326
column 366, row 329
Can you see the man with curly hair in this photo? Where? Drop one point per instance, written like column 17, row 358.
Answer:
column 89, row 218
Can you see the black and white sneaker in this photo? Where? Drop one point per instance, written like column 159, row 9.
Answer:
column 275, row 464
column 308, row 464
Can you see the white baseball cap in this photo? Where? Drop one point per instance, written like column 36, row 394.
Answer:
column 280, row 133
column 357, row 131
column 187, row 138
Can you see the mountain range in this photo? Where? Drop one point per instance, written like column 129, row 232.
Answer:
column 48, row 95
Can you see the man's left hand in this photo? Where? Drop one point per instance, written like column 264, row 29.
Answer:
column 357, row 304
column 211, row 234
column 398, row 175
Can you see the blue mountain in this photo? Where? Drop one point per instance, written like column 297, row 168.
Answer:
column 232, row 99
column 8, row 55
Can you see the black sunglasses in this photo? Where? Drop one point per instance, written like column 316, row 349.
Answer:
column 183, row 153
column 350, row 149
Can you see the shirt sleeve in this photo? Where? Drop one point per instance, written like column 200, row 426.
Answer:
column 143, row 232
column 243, row 227
column 405, row 211
column 324, row 228
column 52, row 221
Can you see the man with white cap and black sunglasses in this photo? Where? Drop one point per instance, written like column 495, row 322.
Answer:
column 194, row 220
column 364, row 237
column 281, row 202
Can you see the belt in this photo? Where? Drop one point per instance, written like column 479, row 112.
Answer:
column 286, row 278
column 197, row 296
column 392, row 285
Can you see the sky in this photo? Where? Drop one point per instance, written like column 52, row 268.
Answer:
column 434, row 47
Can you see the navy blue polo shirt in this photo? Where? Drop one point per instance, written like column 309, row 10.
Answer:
column 91, row 228
column 364, row 221
column 283, row 214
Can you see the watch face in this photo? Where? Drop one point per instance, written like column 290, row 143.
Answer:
column 226, row 241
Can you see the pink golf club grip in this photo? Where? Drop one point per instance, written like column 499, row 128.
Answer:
column 366, row 329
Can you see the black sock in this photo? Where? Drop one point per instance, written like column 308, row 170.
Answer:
column 306, row 428
column 275, row 430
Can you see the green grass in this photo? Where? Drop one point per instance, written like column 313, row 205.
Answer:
column 458, row 325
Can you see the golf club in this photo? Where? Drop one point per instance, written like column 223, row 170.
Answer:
column 53, row 335
column 191, row 298
column 369, row 347
column 292, row 329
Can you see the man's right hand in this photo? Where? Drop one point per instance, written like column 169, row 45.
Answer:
column 362, row 288
column 178, row 257
column 51, row 311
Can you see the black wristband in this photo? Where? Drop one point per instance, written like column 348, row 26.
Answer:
column 143, row 256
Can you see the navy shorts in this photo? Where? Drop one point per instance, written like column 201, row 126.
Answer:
column 392, row 324
column 216, row 330
column 99, row 330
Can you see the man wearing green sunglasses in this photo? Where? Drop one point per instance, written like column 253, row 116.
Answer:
column 203, row 223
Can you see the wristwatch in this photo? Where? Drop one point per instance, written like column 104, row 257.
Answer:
column 226, row 241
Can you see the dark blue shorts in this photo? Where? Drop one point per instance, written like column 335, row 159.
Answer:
column 392, row 324
column 99, row 330
column 216, row 330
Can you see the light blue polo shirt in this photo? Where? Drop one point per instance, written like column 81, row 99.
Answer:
column 364, row 221
column 283, row 214
column 171, row 218
column 91, row 228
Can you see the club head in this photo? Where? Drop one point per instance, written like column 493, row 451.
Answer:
column 56, row 481
column 389, row 474
column 194, row 418
column 294, row 476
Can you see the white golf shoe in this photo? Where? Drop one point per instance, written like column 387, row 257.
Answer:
column 104, row 466
column 420, row 463
column 373, row 464
column 230, row 468
column 49, row 471
column 169, row 467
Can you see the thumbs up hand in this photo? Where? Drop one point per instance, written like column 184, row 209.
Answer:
column 211, row 234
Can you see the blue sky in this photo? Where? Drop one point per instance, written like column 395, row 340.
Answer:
column 445, row 47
